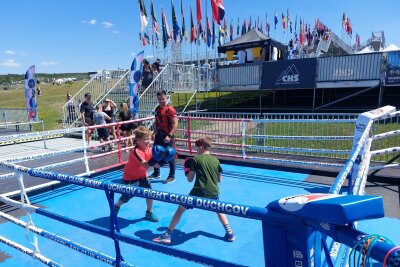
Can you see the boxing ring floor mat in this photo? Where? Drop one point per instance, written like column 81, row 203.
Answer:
column 199, row 231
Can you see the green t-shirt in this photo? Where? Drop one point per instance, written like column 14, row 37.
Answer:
column 207, row 168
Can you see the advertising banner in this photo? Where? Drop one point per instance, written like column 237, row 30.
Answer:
column 31, row 105
column 393, row 68
column 289, row 74
column 134, row 86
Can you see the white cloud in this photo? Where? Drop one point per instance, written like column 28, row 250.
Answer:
column 116, row 32
column 49, row 63
column 9, row 52
column 10, row 63
column 107, row 24
column 92, row 22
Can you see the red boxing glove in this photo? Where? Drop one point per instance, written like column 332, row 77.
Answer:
column 187, row 164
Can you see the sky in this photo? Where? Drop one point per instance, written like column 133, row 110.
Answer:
column 88, row 35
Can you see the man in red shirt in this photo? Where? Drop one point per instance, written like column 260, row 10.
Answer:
column 165, row 125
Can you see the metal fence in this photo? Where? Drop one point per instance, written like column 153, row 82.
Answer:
column 316, row 135
column 12, row 119
column 99, row 86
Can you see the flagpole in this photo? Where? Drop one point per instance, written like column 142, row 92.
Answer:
column 207, row 33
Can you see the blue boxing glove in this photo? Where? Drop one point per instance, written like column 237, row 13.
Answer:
column 158, row 154
column 170, row 153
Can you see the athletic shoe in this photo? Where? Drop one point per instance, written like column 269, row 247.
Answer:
column 154, row 176
column 116, row 209
column 103, row 149
column 230, row 237
column 165, row 238
column 151, row 217
column 170, row 179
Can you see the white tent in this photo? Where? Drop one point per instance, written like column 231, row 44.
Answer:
column 391, row 47
column 365, row 51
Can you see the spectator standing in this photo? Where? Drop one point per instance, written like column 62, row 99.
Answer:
column 109, row 108
column 71, row 109
column 125, row 115
column 99, row 118
column 87, row 110
column 147, row 74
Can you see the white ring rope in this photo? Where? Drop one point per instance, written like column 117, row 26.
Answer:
column 39, row 134
column 29, row 252
column 44, row 155
column 8, row 176
column 385, row 135
column 60, row 164
column 360, row 181
column 385, row 150
column 24, row 198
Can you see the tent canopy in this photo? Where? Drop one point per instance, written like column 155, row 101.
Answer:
column 253, row 38
column 391, row 47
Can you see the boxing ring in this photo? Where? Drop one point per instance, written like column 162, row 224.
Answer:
column 245, row 191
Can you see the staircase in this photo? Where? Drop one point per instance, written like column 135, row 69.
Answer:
column 173, row 78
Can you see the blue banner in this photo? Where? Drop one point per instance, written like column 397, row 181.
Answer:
column 289, row 74
column 31, row 105
column 134, row 86
column 393, row 68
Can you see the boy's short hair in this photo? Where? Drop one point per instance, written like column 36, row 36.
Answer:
column 141, row 132
column 161, row 93
column 99, row 106
column 204, row 142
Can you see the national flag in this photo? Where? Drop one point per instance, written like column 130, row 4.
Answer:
column 357, row 40
column 199, row 12
column 225, row 29
column 143, row 15
column 250, row 25
column 283, row 22
column 244, row 26
column 220, row 35
column 301, row 33
column 153, row 17
column 175, row 25
column 238, row 28
column 316, row 24
column 184, row 33
column 231, row 31
column 213, row 34
column 344, row 20
column 30, row 96
column 276, row 19
column 208, row 32
column 165, row 28
column 218, row 11
column 267, row 26
column 192, row 30
column 147, row 38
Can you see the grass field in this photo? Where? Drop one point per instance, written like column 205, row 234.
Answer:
column 49, row 103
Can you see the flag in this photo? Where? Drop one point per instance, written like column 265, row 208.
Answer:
column 231, row 31
column 283, row 22
column 200, row 32
column 344, row 20
column 357, row 40
column 267, row 26
column 276, row 20
column 301, row 33
column 250, row 25
column 184, row 33
column 220, row 35
column 147, row 38
column 218, row 11
column 238, row 28
column 134, row 85
column 213, row 34
column 208, row 32
column 225, row 30
column 175, row 25
column 30, row 97
column 244, row 26
column 143, row 15
column 153, row 17
column 192, row 30
column 199, row 12
column 165, row 28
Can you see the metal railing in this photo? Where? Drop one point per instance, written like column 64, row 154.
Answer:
column 98, row 87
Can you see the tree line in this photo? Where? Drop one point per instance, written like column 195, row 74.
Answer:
column 42, row 77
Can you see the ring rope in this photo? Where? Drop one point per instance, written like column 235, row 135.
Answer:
column 65, row 242
column 29, row 252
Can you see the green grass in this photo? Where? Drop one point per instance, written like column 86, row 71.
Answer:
column 49, row 103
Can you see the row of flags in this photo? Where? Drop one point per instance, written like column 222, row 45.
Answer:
column 302, row 35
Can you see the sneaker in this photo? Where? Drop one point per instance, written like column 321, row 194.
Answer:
column 170, row 179
column 165, row 238
column 154, row 176
column 103, row 149
column 116, row 209
column 151, row 217
column 230, row 237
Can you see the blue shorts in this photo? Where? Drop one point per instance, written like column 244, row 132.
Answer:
column 143, row 182
column 189, row 208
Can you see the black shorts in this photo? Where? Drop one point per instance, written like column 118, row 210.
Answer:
column 89, row 121
column 103, row 133
column 143, row 182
